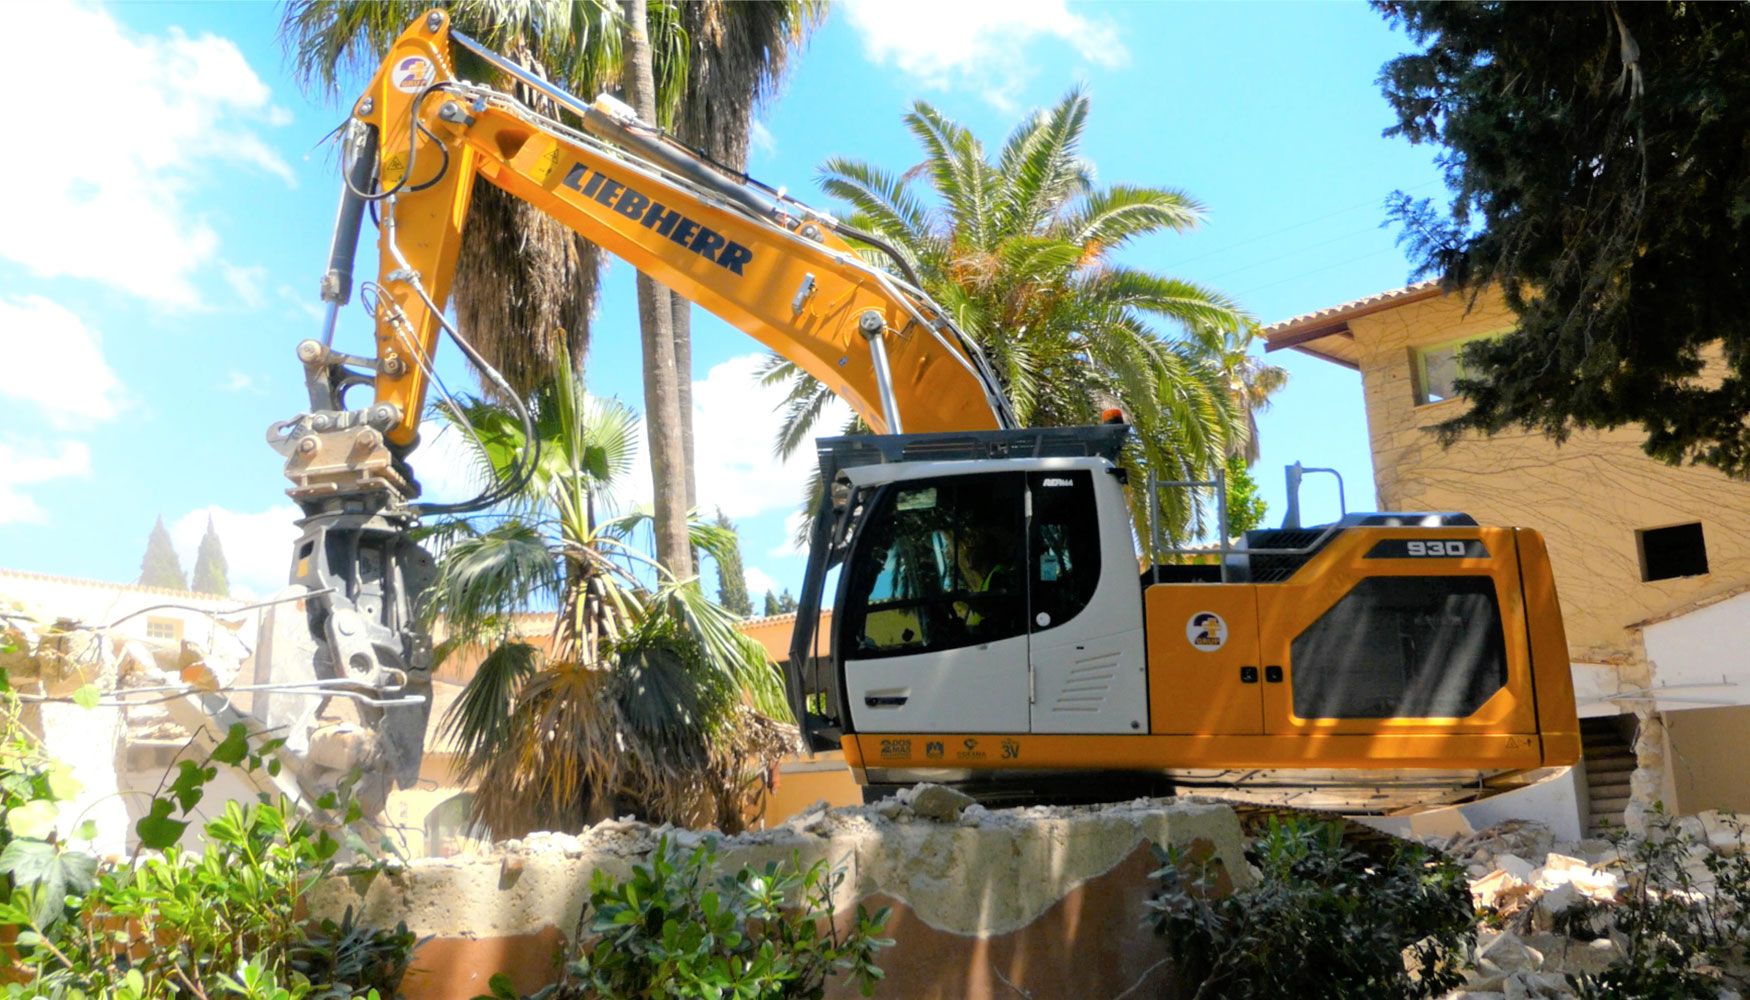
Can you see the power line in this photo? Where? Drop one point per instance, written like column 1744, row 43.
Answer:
column 1297, row 225
column 1320, row 270
column 1292, row 253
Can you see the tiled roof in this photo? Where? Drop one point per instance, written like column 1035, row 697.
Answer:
column 189, row 595
column 1359, row 307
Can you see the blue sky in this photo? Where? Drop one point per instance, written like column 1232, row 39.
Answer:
column 166, row 210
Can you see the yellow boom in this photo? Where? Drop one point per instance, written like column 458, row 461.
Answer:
column 788, row 280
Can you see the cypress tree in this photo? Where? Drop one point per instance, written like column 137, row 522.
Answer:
column 772, row 607
column 786, row 603
column 731, row 583
column 160, row 567
column 209, row 565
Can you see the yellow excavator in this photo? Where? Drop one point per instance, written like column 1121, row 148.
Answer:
column 992, row 623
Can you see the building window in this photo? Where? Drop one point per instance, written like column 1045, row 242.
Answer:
column 1438, row 368
column 1667, row 553
column 164, row 629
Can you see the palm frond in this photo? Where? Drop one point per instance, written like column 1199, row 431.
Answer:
column 1048, row 171
column 1112, row 217
column 478, row 721
column 884, row 202
column 493, row 574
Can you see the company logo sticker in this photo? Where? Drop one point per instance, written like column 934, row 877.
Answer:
column 413, row 74
column 1206, row 632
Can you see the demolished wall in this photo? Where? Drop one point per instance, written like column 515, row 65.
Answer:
column 986, row 903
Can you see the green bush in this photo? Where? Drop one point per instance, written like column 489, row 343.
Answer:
column 1321, row 921
column 672, row 930
column 1680, row 937
column 221, row 922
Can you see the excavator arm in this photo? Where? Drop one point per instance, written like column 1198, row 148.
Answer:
column 347, row 634
column 773, row 268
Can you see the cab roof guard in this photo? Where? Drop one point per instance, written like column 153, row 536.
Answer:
column 1099, row 441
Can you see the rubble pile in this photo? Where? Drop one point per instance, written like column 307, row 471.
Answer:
column 1524, row 884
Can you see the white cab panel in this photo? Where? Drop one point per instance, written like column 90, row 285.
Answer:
column 1095, row 685
column 973, row 689
column 1090, row 673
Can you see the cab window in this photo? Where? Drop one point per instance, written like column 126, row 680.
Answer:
column 1063, row 549
column 938, row 567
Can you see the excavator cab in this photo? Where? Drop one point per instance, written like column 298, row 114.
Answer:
column 990, row 629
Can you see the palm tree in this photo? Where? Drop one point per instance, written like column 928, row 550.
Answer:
column 1021, row 252
column 647, row 699
column 1249, row 379
column 736, row 58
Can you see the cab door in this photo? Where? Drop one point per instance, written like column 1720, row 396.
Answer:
column 1089, row 664
column 932, row 621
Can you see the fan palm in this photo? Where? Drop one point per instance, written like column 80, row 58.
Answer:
column 1021, row 252
column 647, row 699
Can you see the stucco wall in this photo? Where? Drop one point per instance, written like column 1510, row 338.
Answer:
column 985, row 904
column 1705, row 750
column 1588, row 496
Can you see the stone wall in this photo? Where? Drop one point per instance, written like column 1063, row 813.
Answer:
column 986, row 903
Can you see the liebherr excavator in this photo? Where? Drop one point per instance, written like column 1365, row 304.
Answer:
column 991, row 626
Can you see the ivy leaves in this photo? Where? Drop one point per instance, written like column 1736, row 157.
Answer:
column 44, row 874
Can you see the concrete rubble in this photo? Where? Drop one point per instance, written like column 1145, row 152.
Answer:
column 1524, row 881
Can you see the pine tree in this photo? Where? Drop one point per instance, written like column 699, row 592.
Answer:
column 786, row 603
column 160, row 567
column 731, row 583
column 209, row 565
column 772, row 607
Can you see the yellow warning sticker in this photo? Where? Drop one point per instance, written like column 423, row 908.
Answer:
column 545, row 165
column 394, row 165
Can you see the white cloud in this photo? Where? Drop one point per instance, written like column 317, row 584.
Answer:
column 763, row 143
column 793, row 523
column 758, row 582
column 304, row 303
column 28, row 466
column 976, row 44
column 735, row 421
column 153, row 113
column 54, row 363
column 236, row 381
column 245, row 281
column 258, row 547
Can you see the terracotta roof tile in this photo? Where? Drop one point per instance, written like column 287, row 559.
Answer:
column 1365, row 304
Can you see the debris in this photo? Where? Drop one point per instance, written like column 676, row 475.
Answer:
column 937, row 802
column 1505, row 951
